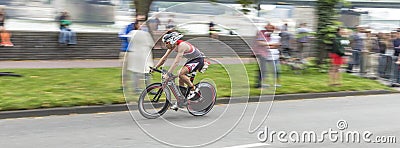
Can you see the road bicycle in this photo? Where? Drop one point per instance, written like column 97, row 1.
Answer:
column 155, row 100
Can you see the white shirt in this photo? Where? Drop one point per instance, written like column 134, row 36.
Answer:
column 140, row 57
column 273, row 52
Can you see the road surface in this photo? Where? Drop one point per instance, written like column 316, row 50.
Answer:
column 378, row 114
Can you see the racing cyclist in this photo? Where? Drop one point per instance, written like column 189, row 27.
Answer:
column 195, row 60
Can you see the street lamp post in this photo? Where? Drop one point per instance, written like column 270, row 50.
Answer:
column 258, row 3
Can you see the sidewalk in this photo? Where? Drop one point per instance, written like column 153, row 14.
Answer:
column 96, row 63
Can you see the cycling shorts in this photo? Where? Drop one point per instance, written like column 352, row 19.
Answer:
column 195, row 64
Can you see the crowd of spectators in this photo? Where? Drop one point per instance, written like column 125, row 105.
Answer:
column 361, row 47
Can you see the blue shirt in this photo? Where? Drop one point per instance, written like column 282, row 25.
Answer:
column 125, row 42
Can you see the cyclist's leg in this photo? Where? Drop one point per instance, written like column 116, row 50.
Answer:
column 183, row 79
column 190, row 66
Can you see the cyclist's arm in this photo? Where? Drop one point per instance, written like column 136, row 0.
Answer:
column 163, row 58
column 181, row 50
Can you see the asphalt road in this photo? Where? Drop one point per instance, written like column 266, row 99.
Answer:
column 377, row 114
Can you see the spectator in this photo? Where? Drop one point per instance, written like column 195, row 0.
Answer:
column 212, row 31
column 66, row 36
column 375, row 48
column 286, row 38
column 396, row 45
column 273, row 40
column 123, row 35
column 302, row 39
column 261, row 55
column 170, row 24
column 4, row 35
column 383, row 43
column 269, row 27
column 285, row 27
column 139, row 56
column 372, row 46
column 266, row 51
column 338, row 50
column 357, row 44
column 154, row 23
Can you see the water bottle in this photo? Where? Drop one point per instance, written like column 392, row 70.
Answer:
column 206, row 63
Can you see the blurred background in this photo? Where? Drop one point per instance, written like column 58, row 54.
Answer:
column 112, row 15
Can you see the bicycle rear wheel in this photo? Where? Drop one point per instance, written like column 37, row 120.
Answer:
column 202, row 103
column 153, row 101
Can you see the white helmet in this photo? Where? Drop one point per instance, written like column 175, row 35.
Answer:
column 171, row 37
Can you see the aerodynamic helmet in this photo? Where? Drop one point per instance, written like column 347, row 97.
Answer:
column 171, row 37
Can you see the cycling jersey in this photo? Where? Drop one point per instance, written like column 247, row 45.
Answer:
column 193, row 53
column 195, row 58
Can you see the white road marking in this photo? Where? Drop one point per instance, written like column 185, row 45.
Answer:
column 249, row 145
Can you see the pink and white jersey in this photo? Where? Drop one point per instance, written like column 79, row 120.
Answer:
column 192, row 53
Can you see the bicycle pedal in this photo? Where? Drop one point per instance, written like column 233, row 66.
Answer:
column 174, row 107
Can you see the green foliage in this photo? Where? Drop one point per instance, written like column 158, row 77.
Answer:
column 328, row 20
column 245, row 11
column 245, row 4
column 327, row 25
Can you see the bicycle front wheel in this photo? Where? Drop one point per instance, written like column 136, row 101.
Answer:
column 153, row 101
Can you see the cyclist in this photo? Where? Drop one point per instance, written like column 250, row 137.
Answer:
column 195, row 60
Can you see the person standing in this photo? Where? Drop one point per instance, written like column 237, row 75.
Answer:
column 261, row 54
column 123, row 35
column 266, row 51
column 170, row 25
column 139, row 56
column 4, row 34
column 286, row 38
column 213, row 33
column 357, row 45
column 302, row 39
column 336, row 56
column 274, row 54
column 396, row 45
column 154, row 24
column 383, row 45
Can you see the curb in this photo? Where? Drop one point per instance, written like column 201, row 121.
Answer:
column 124, row 107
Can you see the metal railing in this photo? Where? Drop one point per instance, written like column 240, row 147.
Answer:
column 374, row 65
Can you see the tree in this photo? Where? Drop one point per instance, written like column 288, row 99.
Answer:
column 245, row 4
column 142, row 7
column 327, row 24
